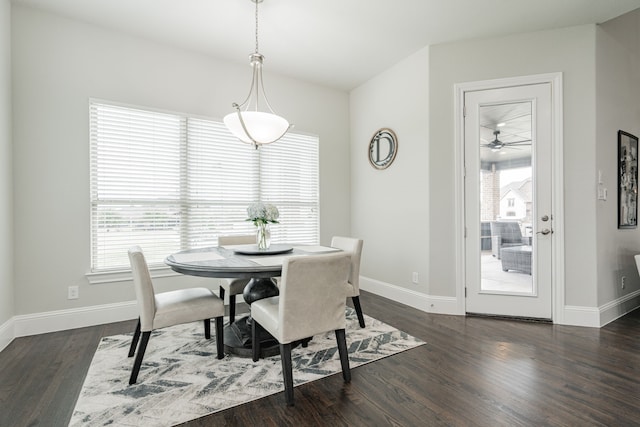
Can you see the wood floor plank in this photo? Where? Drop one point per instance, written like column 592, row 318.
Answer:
column 472, row 372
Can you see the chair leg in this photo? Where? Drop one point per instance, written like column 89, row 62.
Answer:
column 134, row 341
column 255, row 340
column 221, row 293
column 344, row 355
column 287, row 372
column 207, row 328
column 232, row 309
column 219, row 337
column 356, row 305
column 139, row 356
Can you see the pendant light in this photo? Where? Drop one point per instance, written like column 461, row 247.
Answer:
column 248, row 123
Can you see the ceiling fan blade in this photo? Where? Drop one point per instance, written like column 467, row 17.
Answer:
column 525, row 141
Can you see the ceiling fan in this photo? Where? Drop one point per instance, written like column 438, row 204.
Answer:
column 497, row 145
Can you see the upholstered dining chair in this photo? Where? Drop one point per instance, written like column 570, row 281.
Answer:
column 233, row 287
column 312, row 301
column 354, row 248
column 160, row 310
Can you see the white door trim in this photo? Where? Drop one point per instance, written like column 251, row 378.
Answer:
column 557, row 263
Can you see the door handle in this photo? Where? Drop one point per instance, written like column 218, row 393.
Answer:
column 545, row 231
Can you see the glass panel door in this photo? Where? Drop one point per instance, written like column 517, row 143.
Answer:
column 508, row 220
column 506, row 198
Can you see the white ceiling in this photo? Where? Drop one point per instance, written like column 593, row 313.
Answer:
column 337, row 43
column 513, row 121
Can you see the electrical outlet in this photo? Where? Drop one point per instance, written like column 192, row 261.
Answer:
column 623, row 282
column 414, row 277
column 73, row 292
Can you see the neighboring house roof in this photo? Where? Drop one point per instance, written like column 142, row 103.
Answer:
column 518, row 187
column 517, row 193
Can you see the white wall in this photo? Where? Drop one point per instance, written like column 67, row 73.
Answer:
column 58, row 64
column 6, row 186
column 390, row 208
column 618, row 108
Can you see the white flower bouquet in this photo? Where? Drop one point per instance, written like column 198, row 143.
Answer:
column 262, row 213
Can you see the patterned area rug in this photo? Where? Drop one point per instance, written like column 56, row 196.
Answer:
column 181, row 379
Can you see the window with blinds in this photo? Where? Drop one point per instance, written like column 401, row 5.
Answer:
column 169, row 182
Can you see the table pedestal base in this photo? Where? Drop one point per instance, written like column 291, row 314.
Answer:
column 237, row 335
column 237, row 340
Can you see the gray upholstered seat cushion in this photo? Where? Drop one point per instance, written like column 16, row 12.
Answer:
column 266, row 312
column 233, row 286
column 186, row 305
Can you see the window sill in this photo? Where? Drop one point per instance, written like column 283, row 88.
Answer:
column 125, row 275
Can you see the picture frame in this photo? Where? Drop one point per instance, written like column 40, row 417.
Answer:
column 627, row 180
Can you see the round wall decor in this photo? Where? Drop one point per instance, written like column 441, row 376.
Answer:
column 383, row 148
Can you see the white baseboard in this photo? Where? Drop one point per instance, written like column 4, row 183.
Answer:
column 574, row 315
column 61, row 320
column 619, row 307
column 597, row 317
column 7, row 333
column 593, row 317
column 52, row 321
column 427, row 303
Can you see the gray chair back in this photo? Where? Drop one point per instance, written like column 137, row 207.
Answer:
column 236, row 240
column 312, row 296
column 354, row 248
column 507, row 230
column 143, row 285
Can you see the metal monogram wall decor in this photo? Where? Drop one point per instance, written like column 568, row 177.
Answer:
column 383, row 148
column 627, row 180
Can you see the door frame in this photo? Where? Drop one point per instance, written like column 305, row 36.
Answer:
column 557, row 198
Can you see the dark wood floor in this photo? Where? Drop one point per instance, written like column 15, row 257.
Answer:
column 472, row 372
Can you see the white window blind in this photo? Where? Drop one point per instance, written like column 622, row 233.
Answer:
column 169, row 182
column 289, row 179
column 221, row 181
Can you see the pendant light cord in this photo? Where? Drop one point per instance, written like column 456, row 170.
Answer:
column 256, row 26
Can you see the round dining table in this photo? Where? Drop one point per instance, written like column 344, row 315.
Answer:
column 261, row 266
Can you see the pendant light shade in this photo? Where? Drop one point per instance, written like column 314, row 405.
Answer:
column 248, row 123
column 256, row 127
